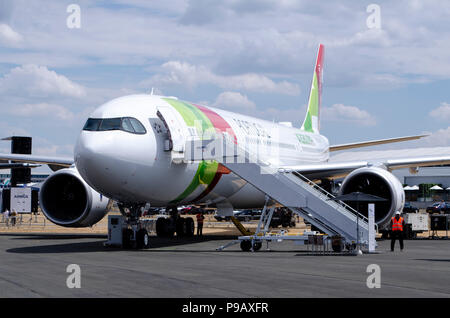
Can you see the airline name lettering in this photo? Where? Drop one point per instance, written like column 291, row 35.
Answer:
column 251, row 128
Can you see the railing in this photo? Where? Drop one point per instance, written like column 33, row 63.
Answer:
column 331, row 197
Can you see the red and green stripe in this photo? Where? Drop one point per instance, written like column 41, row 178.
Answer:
column 205, row 121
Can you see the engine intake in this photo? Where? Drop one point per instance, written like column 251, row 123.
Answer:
column 379, row 182
column 67, row 200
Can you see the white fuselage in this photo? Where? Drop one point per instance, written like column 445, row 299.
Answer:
column 141, row 167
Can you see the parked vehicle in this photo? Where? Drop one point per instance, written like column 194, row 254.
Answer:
column 408, row 208
column 192, row 210
column 435, row 208
column 241, row 215
column 248, row 215
column 222, row 218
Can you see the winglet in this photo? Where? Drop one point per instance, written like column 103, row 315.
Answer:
column 312, row 119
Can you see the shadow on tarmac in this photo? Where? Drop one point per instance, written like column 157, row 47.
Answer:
column 432, row 260
column 157, row 245
column 50, row 236
column 98, row 246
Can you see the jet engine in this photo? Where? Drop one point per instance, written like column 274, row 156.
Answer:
column 376, row 181
column 67, row 200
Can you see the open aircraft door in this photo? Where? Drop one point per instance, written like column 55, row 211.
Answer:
column 176, row 132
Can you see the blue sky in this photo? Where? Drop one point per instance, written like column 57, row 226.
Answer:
column 253, row 56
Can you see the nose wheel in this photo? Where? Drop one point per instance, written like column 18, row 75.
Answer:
column 134, row 234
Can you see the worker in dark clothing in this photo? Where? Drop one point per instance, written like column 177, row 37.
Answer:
column 200, row 218
column 397, row 225
column 442, row 207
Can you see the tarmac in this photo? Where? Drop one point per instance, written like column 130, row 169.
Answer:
column 35, row 265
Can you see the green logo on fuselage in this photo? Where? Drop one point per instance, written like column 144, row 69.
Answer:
column 305, row 139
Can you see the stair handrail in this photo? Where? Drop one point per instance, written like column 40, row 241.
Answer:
column 332, row 197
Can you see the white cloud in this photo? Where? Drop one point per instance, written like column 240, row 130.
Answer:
column 438, row 138
column 38, row 81
column 234, row 101
column 8, row 36
column 43, row 110
column 441, row 113
column 7, row 129
column 340, row 112
column 191, row 76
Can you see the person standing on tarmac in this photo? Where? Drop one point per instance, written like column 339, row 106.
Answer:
column 200, row 218
column 397, row 225
column 442, row 207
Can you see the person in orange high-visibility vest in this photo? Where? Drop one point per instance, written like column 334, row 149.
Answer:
column 397, row 225
column 200, row 218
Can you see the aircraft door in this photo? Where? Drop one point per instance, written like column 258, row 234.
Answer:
column 176, row 133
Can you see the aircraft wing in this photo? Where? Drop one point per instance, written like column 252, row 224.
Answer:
column 374, row 142
column 53, row 162
column 18, row 165
column 340, row 165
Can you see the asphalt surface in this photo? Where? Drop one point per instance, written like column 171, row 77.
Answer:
column 34, row 265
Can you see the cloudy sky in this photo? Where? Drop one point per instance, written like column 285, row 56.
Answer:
column 251, row 56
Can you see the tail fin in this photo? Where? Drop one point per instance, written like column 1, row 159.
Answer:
column 312, row 119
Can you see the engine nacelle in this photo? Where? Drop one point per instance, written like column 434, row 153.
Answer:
column 379, row 182
column 67, row 200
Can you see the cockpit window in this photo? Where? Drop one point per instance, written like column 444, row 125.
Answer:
column 128, row 124
column 111, row 124
column 92, row 124
column 138, row 127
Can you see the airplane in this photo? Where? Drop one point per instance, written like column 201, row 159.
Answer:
column 131, row 150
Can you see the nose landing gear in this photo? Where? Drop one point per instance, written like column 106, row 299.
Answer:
column 134, row 233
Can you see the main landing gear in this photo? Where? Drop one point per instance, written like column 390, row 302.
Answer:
column 167, row 227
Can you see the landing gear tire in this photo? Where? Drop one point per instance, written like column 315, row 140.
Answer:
column 165, row 228
column 162, row 227
column 181, row 227
column 190, row 227
column 127, row 236
column 142, row 239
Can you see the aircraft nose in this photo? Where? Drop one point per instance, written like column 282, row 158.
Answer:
column 100, row 161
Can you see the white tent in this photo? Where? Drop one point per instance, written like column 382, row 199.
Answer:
column 409, row 188
column 447, row 188
column 436, row 187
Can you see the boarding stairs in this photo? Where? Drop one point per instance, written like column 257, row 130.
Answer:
column 289, row 188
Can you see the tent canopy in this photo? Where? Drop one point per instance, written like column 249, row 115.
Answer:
column 414, row 187
column 436, row 187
